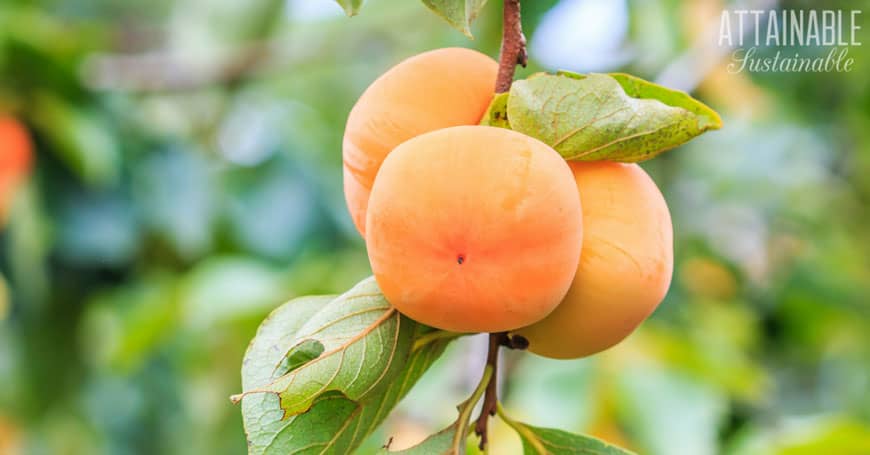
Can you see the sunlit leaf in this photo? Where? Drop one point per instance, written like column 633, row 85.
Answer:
column 458, row 13
column 606, row 117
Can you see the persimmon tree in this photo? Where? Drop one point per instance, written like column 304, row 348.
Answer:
column 324, row 371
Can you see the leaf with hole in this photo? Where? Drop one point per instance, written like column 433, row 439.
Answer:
column 323, row 372
column 458, row 13
column 614, row 117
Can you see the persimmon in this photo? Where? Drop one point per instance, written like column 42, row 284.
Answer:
column 625, row 269
column 474, row 229
column 16, row 155
column 433, row 90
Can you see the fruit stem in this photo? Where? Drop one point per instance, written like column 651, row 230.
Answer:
column 513, row 46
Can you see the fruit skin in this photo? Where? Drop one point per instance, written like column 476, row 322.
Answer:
column 625, row 269
column 433, row 90
column 16, row 156
column 474, row 229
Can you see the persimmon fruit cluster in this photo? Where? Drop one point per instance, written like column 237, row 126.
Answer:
column 480, row 229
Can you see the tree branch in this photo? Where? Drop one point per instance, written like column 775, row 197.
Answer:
column 513, row 46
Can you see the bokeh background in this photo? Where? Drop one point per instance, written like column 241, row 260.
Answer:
column 187, row 181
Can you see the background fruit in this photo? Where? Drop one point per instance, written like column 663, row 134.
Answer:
column 15, row 160
column 427, row 92
column 474, row 229
column 625, row 268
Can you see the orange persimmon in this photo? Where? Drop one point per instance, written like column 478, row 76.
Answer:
column 433, row 90
column 474, row 229
column 625, row 269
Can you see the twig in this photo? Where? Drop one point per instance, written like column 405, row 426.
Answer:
column 513, row 46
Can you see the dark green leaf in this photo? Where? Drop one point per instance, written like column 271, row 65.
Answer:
column 606, row 117
column 351, row 7
column 458, row 13
column 338, row 364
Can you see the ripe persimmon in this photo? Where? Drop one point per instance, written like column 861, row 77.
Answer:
column 626, row 265
column 427, row 92
column 474, row 229
column 16, row 155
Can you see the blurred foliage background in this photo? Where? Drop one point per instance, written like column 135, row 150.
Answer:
column 187, row 181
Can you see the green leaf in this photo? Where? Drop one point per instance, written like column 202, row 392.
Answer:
column 351, row 7
column 363, row 340
column 323, row 372
column 458, row 13
column 496, row 114
column 606, row 117
column 548, row 441
column 439, row 443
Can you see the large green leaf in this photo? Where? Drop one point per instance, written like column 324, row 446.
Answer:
column 262, row 412
column 351, row 7
column 323, row 372
column 458, row 13
column 606, row 117
column 364, row 341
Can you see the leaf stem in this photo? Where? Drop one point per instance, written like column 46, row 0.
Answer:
column 513, row 46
